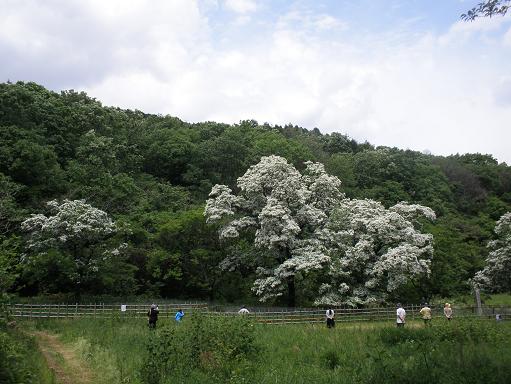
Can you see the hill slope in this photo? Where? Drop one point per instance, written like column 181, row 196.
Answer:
column 154, row 172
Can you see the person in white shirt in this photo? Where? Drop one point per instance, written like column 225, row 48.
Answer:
column 401, row 316
column 243, row 311
column 330, row 314
column 448, row 311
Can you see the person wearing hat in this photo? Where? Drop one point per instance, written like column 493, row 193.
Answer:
column 448, row 311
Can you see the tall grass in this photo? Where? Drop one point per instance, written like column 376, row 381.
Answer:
column 469, row 351
column 113, row 347
column 500, row 299
column 21, row 362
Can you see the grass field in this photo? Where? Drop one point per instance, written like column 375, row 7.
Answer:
column 20, row 359
column 495, row 300
column 202, row 350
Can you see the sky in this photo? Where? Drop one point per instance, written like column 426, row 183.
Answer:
column 400, row 73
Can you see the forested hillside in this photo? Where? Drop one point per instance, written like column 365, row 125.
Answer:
column 152, row 174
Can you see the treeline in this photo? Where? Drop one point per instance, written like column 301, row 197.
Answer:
column 153, row 173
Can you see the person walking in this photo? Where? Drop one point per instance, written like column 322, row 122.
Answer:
column 179, row 315
column 448, row 311
column 400, row 316
column 330, row 314
column 425, row 312
column 152, row 316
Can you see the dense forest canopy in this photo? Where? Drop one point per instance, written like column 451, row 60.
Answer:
column 152, row 174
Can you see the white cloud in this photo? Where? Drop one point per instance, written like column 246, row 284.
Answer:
column 502, row 92
column 507, row 38
column 242, row 20
column 327, row 22
column 448, row 93
column 71, row 44
column 306, row 20
column 241, row 6
column 480, row 27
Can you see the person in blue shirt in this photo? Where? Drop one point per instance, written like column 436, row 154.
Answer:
column 179, row 315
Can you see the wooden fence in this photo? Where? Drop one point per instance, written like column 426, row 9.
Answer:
column 366, row 314
column 261, row 315
column 99, row 310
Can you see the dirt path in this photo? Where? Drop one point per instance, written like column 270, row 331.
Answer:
column 63, row 360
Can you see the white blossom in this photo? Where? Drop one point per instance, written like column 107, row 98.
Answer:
column 496, row 275
column 412, row 211
column 72, row 227
column 288, row 212
column 72, row 221
column 363, row 250
column 378, row 251
column 219, row 204
column 268, row 287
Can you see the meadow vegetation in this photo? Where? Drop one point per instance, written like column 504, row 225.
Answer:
column 235, row 350
column 20, row 359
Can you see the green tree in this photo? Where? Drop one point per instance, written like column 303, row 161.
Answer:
column 9, row 262
column 188, row 255
column 495, row 276
column 11, row 214
column 167, row 153
column 487, row 8
column 273, row 143
column 286, row 212
column 28, row 161
column 75, row 230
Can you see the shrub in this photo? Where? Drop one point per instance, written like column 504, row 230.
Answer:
column 21, row 361
column 461, row 351
column 5, row 314
column 455, row 332
column 212, row 345
column 331, row 359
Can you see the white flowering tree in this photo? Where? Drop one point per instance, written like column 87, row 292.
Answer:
column 374, row 251
column 496, row 276
column 75, row 229
column 286, row 212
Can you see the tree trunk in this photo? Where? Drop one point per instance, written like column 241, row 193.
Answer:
column 285, row 254
column 291, row 292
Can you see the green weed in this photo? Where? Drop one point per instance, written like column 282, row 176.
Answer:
column 217, row 350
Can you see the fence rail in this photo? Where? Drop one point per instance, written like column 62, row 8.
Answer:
column 98, row 310
column 266, row 315
column 367, row 314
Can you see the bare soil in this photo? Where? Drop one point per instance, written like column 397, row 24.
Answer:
column 64, row 362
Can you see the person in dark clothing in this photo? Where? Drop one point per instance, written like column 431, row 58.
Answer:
column 152, row 316
column 330, row 314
